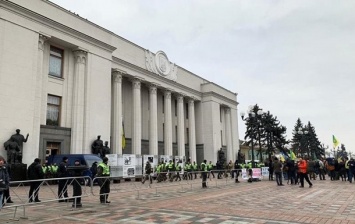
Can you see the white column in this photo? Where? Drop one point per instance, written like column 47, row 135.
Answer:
column 192, row 131
column 137, row 117
column 168, row 131
column 38, row 98
column 77, row 144
column 180, row 126
column 228, row 125
column 117, row 112
column 153, row 120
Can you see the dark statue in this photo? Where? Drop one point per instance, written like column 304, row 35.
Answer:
column 14, row 147
column 105, row 150
column 97, row 146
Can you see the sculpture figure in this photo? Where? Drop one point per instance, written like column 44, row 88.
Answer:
column 14, row 147
column 13, row 152
column 97, row 146
column 105, row 150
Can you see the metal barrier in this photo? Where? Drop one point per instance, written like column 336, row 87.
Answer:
column 45, row 188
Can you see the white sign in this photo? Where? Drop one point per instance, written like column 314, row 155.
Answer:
column 129, row 165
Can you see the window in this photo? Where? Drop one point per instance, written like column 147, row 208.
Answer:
column 53, row 110
column 55, row 62
column 187, row 110
column 163, row 107
column 176, row 134
column 187, row 136
column 176, row 107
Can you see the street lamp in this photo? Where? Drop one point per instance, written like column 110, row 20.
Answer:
column 251, row 116
column 303, row 133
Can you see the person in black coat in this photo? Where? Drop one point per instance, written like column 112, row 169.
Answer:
column 35, row 172
column 77, row 171
column 6, row 197
column 4, row 179
column 63, row 184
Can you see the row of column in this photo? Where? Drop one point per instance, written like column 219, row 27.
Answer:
column 153, row 119
column 41, row 93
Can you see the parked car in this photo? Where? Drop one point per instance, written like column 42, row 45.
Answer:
column 86, row 160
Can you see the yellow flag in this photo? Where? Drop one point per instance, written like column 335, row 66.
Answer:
column 123, row 137
column 335, row 142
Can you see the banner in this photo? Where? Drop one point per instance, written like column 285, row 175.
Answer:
column 129, row 165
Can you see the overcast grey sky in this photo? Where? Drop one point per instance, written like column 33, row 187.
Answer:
column 293, row 58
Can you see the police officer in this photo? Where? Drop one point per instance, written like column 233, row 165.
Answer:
column 177, row 169
column 204, row 173
column 195, row 168
column 170, row 169
column 103, row 170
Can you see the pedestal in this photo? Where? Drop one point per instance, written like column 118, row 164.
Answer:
column 18, row 172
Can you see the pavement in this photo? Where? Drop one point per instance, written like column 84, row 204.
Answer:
column 224, row 201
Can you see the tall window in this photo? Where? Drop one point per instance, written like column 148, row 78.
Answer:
column 55, row 62
column 176, row 134
column 53, row 110
column 187, row 110
column 175, row 107
column 163, row 107
column 187, row 136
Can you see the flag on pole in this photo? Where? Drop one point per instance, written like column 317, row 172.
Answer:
column 335, row 142
column 123, row 137
column 292, row 155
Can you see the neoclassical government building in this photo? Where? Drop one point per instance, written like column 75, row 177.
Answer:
column 65, row 80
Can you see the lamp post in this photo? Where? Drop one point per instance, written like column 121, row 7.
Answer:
column 251, row 117
column 303, row 134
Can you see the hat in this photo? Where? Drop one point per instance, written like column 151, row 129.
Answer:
column 105, row 159
column 37, row 160
column 65, row 158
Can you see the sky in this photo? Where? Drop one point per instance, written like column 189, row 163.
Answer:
column 295, row 59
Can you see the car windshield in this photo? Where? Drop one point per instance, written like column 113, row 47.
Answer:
column 90, row 160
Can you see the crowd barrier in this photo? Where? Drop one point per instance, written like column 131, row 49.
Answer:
column 47, row 189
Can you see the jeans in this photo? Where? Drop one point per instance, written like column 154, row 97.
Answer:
column 278, row 178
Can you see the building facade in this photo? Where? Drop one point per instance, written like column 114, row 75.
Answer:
column 65, row 80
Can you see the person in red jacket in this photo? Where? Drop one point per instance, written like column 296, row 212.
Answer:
column 302, row 169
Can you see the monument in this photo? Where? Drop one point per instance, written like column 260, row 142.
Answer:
column 14, row 148
column 97, row 146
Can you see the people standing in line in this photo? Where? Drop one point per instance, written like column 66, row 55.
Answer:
column 148, row 172
column 204, row 173
column 6, row 197
column 210, row 170
column 170, row 168
column 77, row 192
column 302, row 167
column 63, row 183
column 4, row 179
column 34, row 173
column 195, row 168
column 278, row 171
column 177, row 170
column 103, row 171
